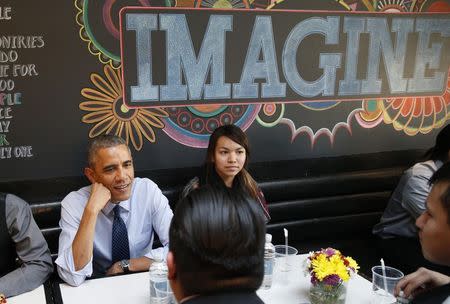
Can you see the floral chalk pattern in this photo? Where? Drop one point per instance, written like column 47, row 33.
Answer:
column 109, row 115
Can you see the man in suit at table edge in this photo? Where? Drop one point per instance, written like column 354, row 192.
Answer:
column 21, row 240
column 216, row 248
column 426, row 286
column 107, row 227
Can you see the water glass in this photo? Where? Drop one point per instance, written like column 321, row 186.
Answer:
column 285, row 257
column 383, row 285
column 164, row 294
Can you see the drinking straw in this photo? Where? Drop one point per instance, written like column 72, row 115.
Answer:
column 383, row 269
column 286, row 247
column 286, row 240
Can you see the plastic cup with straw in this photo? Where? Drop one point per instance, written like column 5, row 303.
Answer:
column 284, row 252
column 384, row 280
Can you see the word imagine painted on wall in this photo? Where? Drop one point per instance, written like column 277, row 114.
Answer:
column 279, row 56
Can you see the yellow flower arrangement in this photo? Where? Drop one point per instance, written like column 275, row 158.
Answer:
column 329, row 269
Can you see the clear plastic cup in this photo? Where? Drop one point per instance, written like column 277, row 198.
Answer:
column 285, row 257
column 383, row 285
column 164, row 294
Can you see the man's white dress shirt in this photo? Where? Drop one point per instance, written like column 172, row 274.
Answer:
column 146, row 211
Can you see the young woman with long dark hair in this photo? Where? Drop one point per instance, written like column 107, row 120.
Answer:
column 226, row 164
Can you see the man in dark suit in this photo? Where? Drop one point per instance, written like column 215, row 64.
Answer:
column 216, row 249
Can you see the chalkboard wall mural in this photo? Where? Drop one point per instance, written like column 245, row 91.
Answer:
column 192, row 125
column 63, row 79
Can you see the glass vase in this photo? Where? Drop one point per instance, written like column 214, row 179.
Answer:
column 321, row 293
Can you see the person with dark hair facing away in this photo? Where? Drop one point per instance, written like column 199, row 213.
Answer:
column 426, row 286
column 21, row 239
column 226, row 165
column 108, row 227
column 396, row 228
column 216, row 250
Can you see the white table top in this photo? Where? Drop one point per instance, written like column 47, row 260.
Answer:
column 293, row 287
column 36, row 296
column 134, row 288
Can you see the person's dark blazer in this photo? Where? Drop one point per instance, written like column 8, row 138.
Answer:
column 434, row 296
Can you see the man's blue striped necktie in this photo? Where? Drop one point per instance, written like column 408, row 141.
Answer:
column 119, row 245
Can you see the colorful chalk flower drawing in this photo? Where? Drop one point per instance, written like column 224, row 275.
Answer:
column 412, row 115
column 110, row 115
column 105, row 104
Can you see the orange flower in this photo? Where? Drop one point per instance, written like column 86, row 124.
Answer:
column 111, row 116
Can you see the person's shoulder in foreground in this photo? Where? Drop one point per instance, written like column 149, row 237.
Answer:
column 226, row 297
column 216, row 250
column 21, row 238
column 424, row 285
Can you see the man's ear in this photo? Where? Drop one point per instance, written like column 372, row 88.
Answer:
column 171, row 266
column 90, row 174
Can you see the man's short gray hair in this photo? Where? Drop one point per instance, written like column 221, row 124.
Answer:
column 101, row 142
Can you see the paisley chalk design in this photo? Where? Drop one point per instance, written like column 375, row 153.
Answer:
column 191, row 126
column 314, row 135
column 270, row 114
column 420, row 114
column 99, row 26
column 371, row 114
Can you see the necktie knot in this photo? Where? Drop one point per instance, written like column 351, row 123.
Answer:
column 116, row 211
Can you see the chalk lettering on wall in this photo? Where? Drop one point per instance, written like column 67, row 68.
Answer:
column 405, row 56
column 11, row 68
column 5, row 13
column 5, row 152
column 4, row 70
column 21, row 42
column 15, row 152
